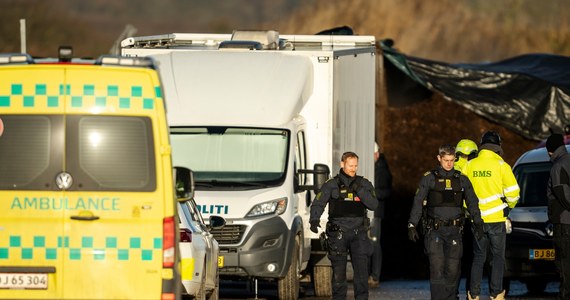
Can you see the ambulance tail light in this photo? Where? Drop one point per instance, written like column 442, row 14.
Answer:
column 168, row 296
column 168, row 243
column 185, row 235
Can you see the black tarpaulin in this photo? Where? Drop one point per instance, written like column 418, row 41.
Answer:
column 528, row 94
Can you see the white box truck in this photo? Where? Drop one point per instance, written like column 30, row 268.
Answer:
column 253, row 114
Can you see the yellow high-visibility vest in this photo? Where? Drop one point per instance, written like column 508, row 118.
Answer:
column 494, row 183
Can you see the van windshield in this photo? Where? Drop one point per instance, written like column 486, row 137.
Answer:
column 232, row 157
column 532, row 179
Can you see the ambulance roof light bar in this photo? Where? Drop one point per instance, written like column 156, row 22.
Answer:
column 145, row 62
column 16, row 58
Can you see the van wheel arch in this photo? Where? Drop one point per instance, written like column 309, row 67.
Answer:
column 288, row 286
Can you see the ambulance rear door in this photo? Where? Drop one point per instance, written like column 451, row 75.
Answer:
column 116, row 204
column 31, row 204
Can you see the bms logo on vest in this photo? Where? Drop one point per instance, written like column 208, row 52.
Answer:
column 483, row 173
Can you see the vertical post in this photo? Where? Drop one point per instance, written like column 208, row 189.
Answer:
column 381, row 97
column 23, row 35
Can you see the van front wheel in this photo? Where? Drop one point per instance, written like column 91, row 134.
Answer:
column 322, row 280
column 288, row 286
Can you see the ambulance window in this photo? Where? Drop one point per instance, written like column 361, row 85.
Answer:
column 31, row 148
column 111, row 153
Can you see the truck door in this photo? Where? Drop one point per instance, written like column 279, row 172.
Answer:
column 303, row 197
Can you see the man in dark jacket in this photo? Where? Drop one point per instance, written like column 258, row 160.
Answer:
column 348, row 197
column 558, row 193
column 439, row 201
column 383, row 187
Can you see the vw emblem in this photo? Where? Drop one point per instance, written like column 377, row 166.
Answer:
column 63, row 180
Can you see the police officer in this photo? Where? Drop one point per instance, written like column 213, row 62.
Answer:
column 498, row 191
column 465, row 151
column 348, row 196
column 559, row 208
column 439, row 201
column 383, row 189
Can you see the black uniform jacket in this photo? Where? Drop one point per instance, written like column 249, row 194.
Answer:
column 427, row 183
column 556, row 211
column 382, row 184
column 330, row 190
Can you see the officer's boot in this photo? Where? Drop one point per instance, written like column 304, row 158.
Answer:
column 500, row 296
column 471, row 298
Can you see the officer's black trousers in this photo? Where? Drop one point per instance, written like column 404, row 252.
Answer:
column 358, row 245
column 562, row 250
column 444, row 248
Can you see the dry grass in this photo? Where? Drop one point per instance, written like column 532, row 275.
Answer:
column 447, row 30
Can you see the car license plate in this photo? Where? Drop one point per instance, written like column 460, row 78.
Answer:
column 24, row 281
column 541, row 254
column 220, row 261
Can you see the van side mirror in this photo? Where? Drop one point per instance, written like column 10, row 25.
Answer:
column 321, row 173
column 216, row 222
column 184, row 183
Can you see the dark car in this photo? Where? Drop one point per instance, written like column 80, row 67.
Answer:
column 529, row 249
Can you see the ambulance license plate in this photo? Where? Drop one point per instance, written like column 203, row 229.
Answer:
column 547, row 254
column 220, row 261
column 36, row 281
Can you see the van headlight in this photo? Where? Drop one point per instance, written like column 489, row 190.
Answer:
column 276, row 206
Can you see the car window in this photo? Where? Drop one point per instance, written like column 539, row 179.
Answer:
column 187, row 215
column 532, row 179
column 196, row 216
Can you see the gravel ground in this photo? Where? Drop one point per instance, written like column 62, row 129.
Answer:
column 419, row 289
column 391, row 289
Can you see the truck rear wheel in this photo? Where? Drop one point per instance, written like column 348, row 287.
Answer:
column 288, row 286
column 322, row 280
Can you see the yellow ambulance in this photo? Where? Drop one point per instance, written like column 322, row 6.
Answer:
column 87, row 200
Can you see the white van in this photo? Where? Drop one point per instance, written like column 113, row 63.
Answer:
column 250, row 113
